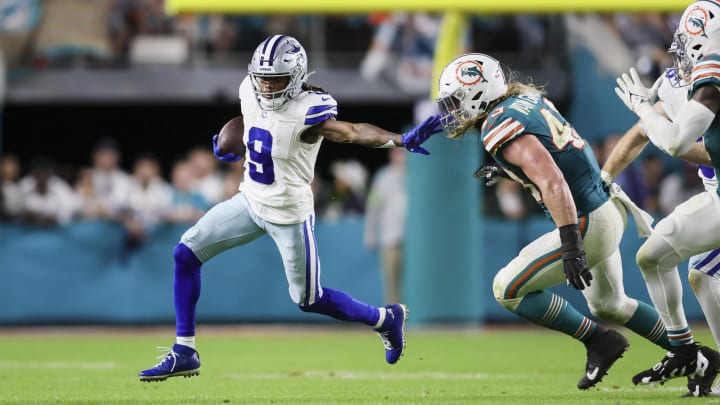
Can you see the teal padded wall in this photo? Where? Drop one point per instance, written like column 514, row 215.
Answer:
column 443, row 243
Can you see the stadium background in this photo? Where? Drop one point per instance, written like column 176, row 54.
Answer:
column 60, row 99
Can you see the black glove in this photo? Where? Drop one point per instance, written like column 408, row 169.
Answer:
column 577, row 273
column 491, row 173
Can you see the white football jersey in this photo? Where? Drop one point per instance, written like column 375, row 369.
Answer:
column 673, row 98
column 279, row 166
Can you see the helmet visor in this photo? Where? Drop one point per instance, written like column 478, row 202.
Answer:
column 452, row 116
column 682, row 65
column 270, row 86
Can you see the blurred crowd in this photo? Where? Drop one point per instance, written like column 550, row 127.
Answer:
column 47, row 193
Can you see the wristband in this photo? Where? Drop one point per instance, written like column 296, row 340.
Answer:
column 606, row 177
column 571, row 244
column 388, row 144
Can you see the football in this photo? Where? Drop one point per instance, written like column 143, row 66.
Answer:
column 231, row 137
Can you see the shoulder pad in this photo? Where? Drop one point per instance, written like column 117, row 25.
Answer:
column 318, row 107
column 706, row 71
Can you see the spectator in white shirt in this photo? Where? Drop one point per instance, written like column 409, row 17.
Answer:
column 385, row 221
column 47, row 198
column 110, row 183
column 208, row 180
column 148, row 199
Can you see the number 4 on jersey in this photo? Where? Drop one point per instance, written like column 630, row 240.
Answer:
column 562, row 132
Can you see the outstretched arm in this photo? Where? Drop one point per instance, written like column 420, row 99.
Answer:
column 376, row 137
column 361, row 134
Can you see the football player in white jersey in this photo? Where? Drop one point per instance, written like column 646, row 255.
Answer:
column 285, row 120
column 702, row 270
column 692, row 227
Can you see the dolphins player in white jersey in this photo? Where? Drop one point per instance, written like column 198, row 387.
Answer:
column 692, row 228
column 285, row 120
column 703, row 268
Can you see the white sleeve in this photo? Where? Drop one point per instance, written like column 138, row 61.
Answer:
column 676, row 137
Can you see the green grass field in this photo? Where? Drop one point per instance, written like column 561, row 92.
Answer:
column 323, row 365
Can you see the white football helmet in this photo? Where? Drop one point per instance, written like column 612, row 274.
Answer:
column 278, row 56
column 466, row 86
column 698, row 23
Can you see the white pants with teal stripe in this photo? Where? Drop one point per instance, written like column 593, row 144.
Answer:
column 233, row 223
column 538, row 266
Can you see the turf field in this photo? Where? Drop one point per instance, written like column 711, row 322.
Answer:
column 323, row 365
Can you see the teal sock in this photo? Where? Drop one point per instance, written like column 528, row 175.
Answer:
column 680, row 337
column 646, row 322
column 552, row 311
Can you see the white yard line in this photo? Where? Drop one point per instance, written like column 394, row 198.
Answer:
column 59, row 365
column 354, row 375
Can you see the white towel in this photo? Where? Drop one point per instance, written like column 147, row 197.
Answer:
column 643, row 220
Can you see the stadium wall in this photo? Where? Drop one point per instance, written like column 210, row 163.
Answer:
column 77, row 275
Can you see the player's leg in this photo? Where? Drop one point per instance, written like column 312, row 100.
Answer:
column 602, row 230
column 299, row 253
column 703, row 277
column 520, row 287
column 606, row 296
column 228, row 224
column 674, row 239
column 607, row 300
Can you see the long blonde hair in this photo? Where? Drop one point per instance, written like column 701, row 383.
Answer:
column 514, row 88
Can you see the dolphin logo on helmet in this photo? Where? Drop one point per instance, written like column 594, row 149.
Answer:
column 696, row 21
column 470, row 72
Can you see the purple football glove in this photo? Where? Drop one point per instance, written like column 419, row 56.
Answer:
column 227, row 157
column 413, row 139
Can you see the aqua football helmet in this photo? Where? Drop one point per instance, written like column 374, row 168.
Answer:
column 698, row 23
column 278, row 56
column 466, row 87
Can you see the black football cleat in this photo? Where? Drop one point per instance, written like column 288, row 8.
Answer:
column 701, row 385
column 603, row 349
column 686, row 360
